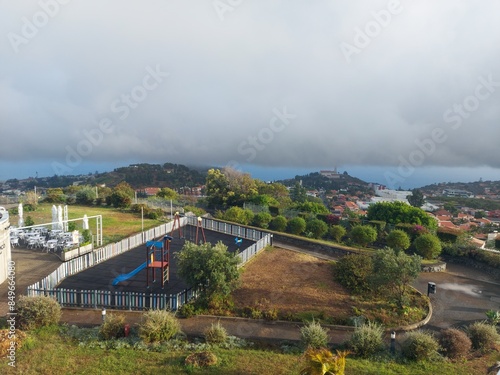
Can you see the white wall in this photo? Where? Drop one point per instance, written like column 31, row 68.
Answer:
column 5, row 254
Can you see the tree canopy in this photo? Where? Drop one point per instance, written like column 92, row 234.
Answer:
column 416, row 198
column 394, row 272
column 211, row 269
column 400, row 212
column 229, row 187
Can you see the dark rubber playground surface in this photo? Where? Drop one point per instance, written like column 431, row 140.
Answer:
column 101, row 276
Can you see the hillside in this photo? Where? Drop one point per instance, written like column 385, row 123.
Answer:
column 482, row 189
column 319, row 181
column 144, row 175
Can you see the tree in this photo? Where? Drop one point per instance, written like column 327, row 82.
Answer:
column 451, row 207
column 85, row 196
column 297, row 226
column 278, row 192
column 122, row 195
column 278, row 223
column 210, row 269
column 298, row 193
column 337, row 232
column 238, row 215
column 400, row 212
column 262, row 219
column 312, row 207
column 363, row 235
column 427, row 246
column 229, row 187
column 394, row 272
column 316, row 227
column 416, row 198
column 398, row 240
column 55, row 195
column 167, row 193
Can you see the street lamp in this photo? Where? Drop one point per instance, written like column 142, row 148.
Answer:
column 393, row 342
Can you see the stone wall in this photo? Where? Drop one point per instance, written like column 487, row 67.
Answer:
column 331, row 250
column 490, row 271
column 436, row 267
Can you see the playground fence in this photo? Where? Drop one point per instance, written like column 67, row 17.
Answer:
column 136, row 300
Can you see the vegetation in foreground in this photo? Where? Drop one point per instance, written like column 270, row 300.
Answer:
column 67, row 349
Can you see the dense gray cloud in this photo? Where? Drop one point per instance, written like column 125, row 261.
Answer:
column 270, row 83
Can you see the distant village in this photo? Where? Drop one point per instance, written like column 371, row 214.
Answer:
column 353, row 199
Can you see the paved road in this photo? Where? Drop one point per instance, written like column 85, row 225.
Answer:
column 31, row 266
column 463, row 295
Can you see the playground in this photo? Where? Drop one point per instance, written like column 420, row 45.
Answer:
column 132, row 271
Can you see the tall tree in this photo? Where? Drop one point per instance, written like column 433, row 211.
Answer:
column 416, row 198
column 394, row 272
column 211, row 269
column 298, row 193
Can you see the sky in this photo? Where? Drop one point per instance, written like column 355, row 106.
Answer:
column 402, row 93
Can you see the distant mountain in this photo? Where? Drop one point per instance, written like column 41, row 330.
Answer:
column 329, row 180
column 138, row 176
column 143, row 175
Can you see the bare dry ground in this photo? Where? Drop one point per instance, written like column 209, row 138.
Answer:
column 300, row 285
column 292, row 282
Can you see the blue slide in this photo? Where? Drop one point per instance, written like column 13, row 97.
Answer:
column 126, row 276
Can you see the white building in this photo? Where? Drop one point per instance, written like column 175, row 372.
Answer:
column 5, row 255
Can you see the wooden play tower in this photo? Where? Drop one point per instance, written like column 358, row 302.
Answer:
column 176, row 225
column 199, row 228
column 158, row 260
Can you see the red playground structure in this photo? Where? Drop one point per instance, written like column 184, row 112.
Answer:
column 158, row 258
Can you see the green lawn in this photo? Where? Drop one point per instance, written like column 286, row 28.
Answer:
column 116, row 224
column 47, row 352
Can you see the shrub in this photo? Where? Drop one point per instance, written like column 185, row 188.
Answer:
column 363, row 235
column 493, row 317
column 353, row 271
column 367, row 339
column 454, row 343
column 312, row 335
column 37, row 311
column 159, row 325
column 420, row 345
column 427, row 246
column 337, row 232
column 482, row 335
column 317, row 228
column 215, row 334
column 270, row 314
column 262, row 220
column 201, row 359
column 278, row 223
column 112, row 327
column 297, row 225
column 187, row 310
column 398, row 240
